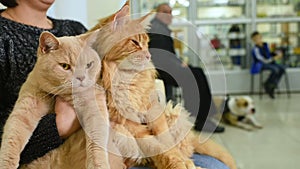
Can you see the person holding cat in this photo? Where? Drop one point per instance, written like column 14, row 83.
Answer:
column 22, row 22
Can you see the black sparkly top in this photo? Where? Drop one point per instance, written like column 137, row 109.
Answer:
column 18, row 47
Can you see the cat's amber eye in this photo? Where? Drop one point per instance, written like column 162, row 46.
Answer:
column 65, row 66
column 135, row 42
column 89, row 64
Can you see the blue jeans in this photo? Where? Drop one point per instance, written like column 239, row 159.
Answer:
column 276, row 72
column 203, row 161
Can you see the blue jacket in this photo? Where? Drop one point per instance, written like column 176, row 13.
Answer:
column 260, row 56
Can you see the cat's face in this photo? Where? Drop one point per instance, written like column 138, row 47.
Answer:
column 67, row 64
column 130, row 53
column 137, row 47
column 124, row 41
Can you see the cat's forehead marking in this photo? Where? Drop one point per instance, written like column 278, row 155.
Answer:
column 72, row 50
column 107, row 37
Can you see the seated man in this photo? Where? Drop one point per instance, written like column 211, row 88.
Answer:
column 267, row 61
column 196, row 91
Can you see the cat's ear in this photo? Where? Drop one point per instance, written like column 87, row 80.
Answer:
column 145, row 20
column 121, row 17
column 90, row 37
column 127, row 3
column 48, row 42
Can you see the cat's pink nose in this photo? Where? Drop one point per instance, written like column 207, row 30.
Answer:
column 80, row 78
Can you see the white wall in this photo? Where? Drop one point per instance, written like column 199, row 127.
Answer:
column 86, row 11
column 98, row 9
column 68, row 9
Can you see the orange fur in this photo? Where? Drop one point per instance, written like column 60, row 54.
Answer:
column 141, row 126
column 129, row 90
column 56, row 73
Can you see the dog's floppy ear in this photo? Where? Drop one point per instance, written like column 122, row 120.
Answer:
column 246, row 103
column 240, row 102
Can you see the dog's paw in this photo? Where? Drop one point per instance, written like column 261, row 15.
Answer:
column 258, row 126
column 248, row 128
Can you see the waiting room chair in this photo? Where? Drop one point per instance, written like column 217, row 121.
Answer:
column 261, row 84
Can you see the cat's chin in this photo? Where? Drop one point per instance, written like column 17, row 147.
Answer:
column 79, row 89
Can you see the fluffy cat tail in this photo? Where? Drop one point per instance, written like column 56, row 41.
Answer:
column 211, row 148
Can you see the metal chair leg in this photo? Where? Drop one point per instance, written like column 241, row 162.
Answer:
column 252, row 84
column 261, row 84
column 287, row 84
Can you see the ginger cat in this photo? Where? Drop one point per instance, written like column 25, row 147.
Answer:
column 66, row 67
column 160, row 135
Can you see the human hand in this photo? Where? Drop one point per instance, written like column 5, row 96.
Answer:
column 183, row 64
column 278, row 56
column 66, row 118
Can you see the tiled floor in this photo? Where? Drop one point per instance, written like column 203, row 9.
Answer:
column 277, row 145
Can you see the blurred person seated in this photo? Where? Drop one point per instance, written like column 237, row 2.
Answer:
column 266, row 60
column 175, row 72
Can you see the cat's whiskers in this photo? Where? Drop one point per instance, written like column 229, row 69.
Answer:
column 58, row 89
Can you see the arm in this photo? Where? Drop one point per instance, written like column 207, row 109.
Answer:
column 260, row 57
column 164, row 49
column 51, row 131
column 278, row 56
column 3, row 70
column 44, row 139
column 160, row 41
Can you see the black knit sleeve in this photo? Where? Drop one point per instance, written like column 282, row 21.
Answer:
column 44, row 139
column 3, row 63
column 78, row 27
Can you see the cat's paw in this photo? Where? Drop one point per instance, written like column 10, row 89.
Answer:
column 98, row 167
column 8, row 163
column 184, row 166
column 180, row 165
column 190, row 164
